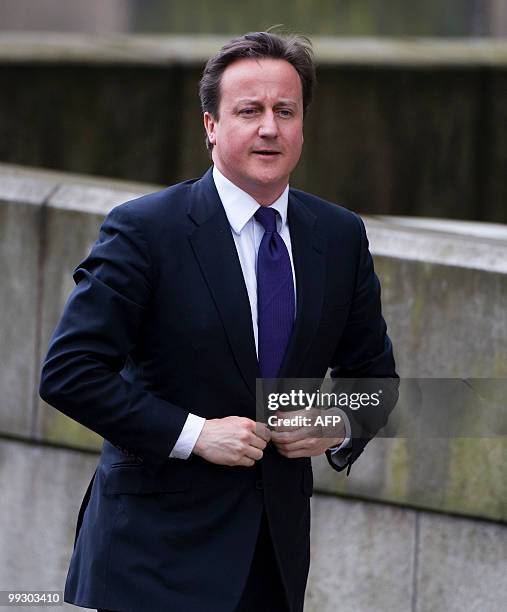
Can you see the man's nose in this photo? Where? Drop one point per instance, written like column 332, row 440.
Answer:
column 268, row 127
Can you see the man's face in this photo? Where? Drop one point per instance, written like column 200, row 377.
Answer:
column 258, row 135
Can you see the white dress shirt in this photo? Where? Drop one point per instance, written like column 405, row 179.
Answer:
column 247, row 232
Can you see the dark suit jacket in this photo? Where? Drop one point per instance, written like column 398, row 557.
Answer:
column 159, row 325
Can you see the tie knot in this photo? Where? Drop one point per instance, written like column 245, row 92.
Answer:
column 266, row 216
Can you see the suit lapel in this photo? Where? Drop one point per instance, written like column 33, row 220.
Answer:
column 308, row 250
column 216, row 253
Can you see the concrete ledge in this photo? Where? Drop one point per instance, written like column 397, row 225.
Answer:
column 478, row 246
column 191, row 50
column 55, row 178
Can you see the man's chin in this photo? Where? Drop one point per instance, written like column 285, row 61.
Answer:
column 268, row 174
column 270, row 181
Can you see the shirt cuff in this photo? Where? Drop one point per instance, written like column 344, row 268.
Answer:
column 341, row 459
column 348, row 432
column 188, row 437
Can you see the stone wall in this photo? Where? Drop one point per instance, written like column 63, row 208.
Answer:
column 375, row 557
column 414, row 521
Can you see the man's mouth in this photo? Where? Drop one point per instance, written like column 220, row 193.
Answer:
column 267, row 152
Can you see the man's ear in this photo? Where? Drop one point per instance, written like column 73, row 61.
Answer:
column 209, row 126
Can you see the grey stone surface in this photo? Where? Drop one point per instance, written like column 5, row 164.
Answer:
column 479, row 246
column 89, row 199
column 378, row 558
column 380, row 472
column 28, row 189
column 196, row 49
column 445, row 321
column 55, row 178
column 462, row 565
column 362, row 557
column 462, row 475
column 20, row 227
column 416, row 52
column 42, row 490
column 493, row 231
column 444, row 297
column 367, row 557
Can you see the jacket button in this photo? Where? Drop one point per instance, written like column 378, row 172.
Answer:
column 259, row 485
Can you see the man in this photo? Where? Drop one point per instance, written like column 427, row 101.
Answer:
column 188, row 296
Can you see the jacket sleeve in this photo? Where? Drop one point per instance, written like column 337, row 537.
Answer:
column 365, row 352
column 99, row 329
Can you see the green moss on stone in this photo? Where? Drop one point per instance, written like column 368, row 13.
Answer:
column 60, row 429
column 397, row 471
column 477, row 483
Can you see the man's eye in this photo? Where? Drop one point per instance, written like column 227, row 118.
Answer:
column 247, row 111
column 285, row 112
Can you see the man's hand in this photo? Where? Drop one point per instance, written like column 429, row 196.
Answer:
column 232, row 440
column 306, row 441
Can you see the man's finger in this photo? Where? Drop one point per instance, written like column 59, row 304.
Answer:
column 306, row 444
column 254, row 453
column 246, row 461
column 283, row 437
column 258, row 442
column 262, row 431
column 311, row 447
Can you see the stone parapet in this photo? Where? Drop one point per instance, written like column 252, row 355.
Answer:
column 444, row 298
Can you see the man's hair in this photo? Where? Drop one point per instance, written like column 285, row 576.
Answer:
column 295, row 49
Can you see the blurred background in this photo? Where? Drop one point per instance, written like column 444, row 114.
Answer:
column 99, row 104
column 325, row 17
column 400, row 125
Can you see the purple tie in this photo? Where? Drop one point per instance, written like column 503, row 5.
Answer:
column 275, row 295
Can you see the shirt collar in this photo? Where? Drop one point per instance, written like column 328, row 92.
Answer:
column 240, row 206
